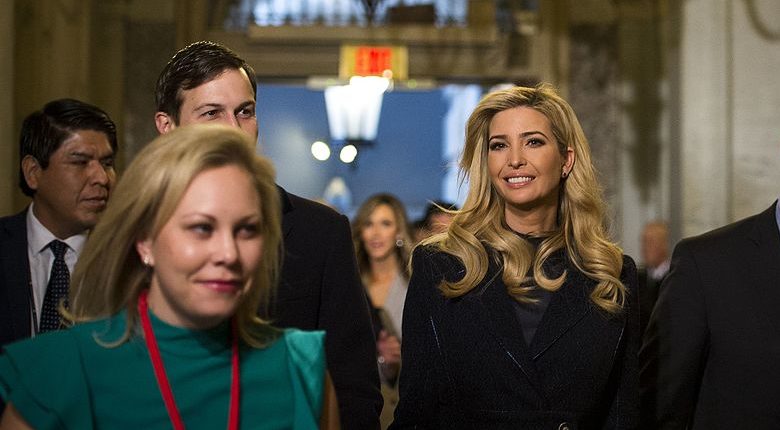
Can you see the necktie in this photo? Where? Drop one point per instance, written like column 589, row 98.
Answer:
column 57, row 288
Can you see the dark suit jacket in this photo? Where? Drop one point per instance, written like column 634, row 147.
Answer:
column 466, row 364
column 320, row 290
column 711, row 353
column 14, row 279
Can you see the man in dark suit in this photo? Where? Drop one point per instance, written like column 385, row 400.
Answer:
column 66, row 166
column 320, row 288
column 711, row 351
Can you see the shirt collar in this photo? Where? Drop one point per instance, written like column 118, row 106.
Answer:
column 777, row 213
column 659, row 271
column 39, row 237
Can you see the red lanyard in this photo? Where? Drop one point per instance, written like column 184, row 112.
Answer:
column 162, row 378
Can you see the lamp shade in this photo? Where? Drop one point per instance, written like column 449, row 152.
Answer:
column 353, row 110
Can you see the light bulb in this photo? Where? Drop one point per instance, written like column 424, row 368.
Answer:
column 320, row 150
column 348, row 154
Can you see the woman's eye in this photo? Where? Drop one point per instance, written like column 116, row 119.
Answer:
column 494, row 146
column 202, row 228
column 535, row 142
column 248, row 230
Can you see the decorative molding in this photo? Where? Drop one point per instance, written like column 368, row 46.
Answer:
column 757, row 21
column 447, row 54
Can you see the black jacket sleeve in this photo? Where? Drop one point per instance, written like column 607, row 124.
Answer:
column 320, row 290
column 674, row 344
column 419, row 389
column 624, row 409
column 350, row 347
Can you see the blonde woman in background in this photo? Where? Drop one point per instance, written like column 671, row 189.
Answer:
column 524, row 314
column 165, row 299
column 382, row 241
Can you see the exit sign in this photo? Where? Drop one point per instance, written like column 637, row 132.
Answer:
column 369, row 60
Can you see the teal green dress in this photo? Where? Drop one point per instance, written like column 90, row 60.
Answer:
column 67, row 380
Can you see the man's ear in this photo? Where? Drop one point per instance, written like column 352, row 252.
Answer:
column 164, row 122
column 31, row 170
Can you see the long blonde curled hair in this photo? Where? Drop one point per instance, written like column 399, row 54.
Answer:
column 110, row 275
column 581, row 211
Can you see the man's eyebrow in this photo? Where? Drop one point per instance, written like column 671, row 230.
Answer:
column 246, row 104
column 209, row 105
column 80, row 154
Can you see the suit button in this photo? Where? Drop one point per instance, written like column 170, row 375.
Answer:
column 564, row 426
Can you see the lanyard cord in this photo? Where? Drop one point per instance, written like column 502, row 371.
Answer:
column 162, row 378
column 33, row 311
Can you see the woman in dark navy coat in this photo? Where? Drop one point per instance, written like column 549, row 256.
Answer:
column 524, row 313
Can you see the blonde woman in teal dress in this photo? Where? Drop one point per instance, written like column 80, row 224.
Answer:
column 164, row 302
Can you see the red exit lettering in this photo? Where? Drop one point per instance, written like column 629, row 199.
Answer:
column 373, row 60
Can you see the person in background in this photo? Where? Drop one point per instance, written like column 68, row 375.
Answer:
column 524, row 314
column 435, row 221
column 711, row 349
column 656, row 259
column 382, row 242
column 66, row 167
column 320, row 289
column 165, row 298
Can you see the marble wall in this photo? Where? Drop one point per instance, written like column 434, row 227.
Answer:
column 593, row 89
column 679, row 99
column 730, row 106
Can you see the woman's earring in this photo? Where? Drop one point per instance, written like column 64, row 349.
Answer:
column 564, row 174
column 399, row 242
column 147, row 261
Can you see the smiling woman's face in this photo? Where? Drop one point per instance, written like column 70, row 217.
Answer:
column 525, row 164
column 205, row 255
column 380, row 232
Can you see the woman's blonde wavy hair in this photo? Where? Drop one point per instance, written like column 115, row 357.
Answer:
column 110, row 275
column 581, row 211
column 403, row 252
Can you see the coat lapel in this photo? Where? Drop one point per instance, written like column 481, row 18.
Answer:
column 493, row 307
column 568, row 306
column 766, row 266
column 16, row 269
column 287, row 208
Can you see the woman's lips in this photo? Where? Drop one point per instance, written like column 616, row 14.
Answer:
column 224, row 286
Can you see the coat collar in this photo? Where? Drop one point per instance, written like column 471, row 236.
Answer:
column 493, row 306
column 287, row 207
column 765, row 262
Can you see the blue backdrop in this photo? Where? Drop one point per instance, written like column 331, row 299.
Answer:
column 406, row 159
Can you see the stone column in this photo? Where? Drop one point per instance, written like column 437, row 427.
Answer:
column 755, row 95
column 706, row 98
column 642, row 179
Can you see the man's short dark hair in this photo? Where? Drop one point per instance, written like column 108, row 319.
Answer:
column 433, row 208
column 44, row 131
column 191, row 67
